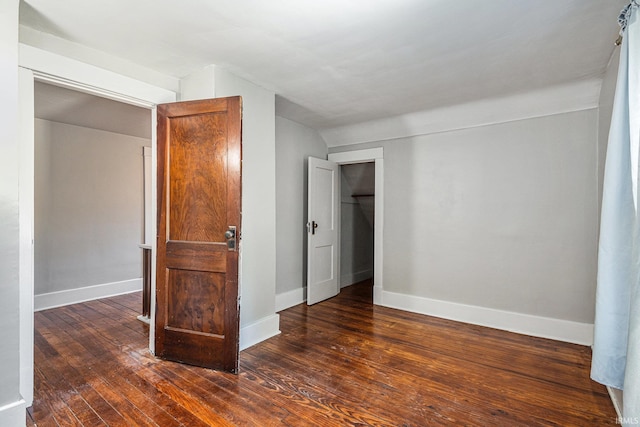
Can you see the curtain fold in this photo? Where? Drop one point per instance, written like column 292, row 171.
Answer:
column 616, row 348
column 631, row 406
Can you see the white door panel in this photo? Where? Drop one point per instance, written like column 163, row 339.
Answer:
column 323, row 226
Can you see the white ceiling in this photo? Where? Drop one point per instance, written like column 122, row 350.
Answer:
column 76, row 108
column 337, row 62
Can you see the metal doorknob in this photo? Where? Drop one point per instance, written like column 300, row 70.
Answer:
column 230, row 235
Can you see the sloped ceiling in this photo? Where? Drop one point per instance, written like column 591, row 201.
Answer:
column 360, row 178
column 360, row 182
column 333, row 63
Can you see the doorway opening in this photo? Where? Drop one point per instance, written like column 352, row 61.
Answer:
column 373, row 158
column 357, row 219
column 89, row 195
column 40, row 66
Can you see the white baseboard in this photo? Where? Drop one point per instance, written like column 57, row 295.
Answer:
column 261, row 330
column 358, row 276
column 297, row 296
column 249, row 335
column 88, row 293
column 616, row 397
column 290, row 298
column 13, row 414
column 544, row 327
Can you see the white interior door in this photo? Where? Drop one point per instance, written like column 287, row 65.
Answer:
column 322, row 229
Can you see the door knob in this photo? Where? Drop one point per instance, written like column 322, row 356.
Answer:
column 313, row 227
column 230, row 235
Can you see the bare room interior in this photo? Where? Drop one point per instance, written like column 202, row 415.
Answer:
column 335, row 213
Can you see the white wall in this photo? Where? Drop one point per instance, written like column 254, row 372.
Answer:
column 11, row 405
column 258, row 319
column 501, row 216
column 294, row 144
column 258, row 262
column 199, row 84
column 88, row 207
column 88, row 55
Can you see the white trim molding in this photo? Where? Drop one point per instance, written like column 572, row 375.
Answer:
column 288, row 299
column 66, row 72
column 259, row 331
column 27, row 200
column 87, row 293
column 357, row 156
column 13, row 414
column 543, row 327
column 617, row 397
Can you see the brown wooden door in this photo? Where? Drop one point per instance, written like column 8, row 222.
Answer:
column 199, row 188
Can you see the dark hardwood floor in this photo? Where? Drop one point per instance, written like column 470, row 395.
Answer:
column 343, row 362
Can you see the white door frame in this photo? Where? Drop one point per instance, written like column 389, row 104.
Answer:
column 39, row 65
column 364, row 156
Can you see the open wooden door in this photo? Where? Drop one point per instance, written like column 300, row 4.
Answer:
column 323, row 227
column 199, row 194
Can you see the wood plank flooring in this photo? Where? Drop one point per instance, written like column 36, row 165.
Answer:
column 343, row 362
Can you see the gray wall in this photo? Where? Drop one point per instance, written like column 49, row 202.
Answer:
column 88, row 206
column 294, row 144
column 9, row 231
column 501, row 216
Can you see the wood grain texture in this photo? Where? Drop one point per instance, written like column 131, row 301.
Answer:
column 197, row 256
column 342, row 362
column 199, row 176
column 196, row 301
